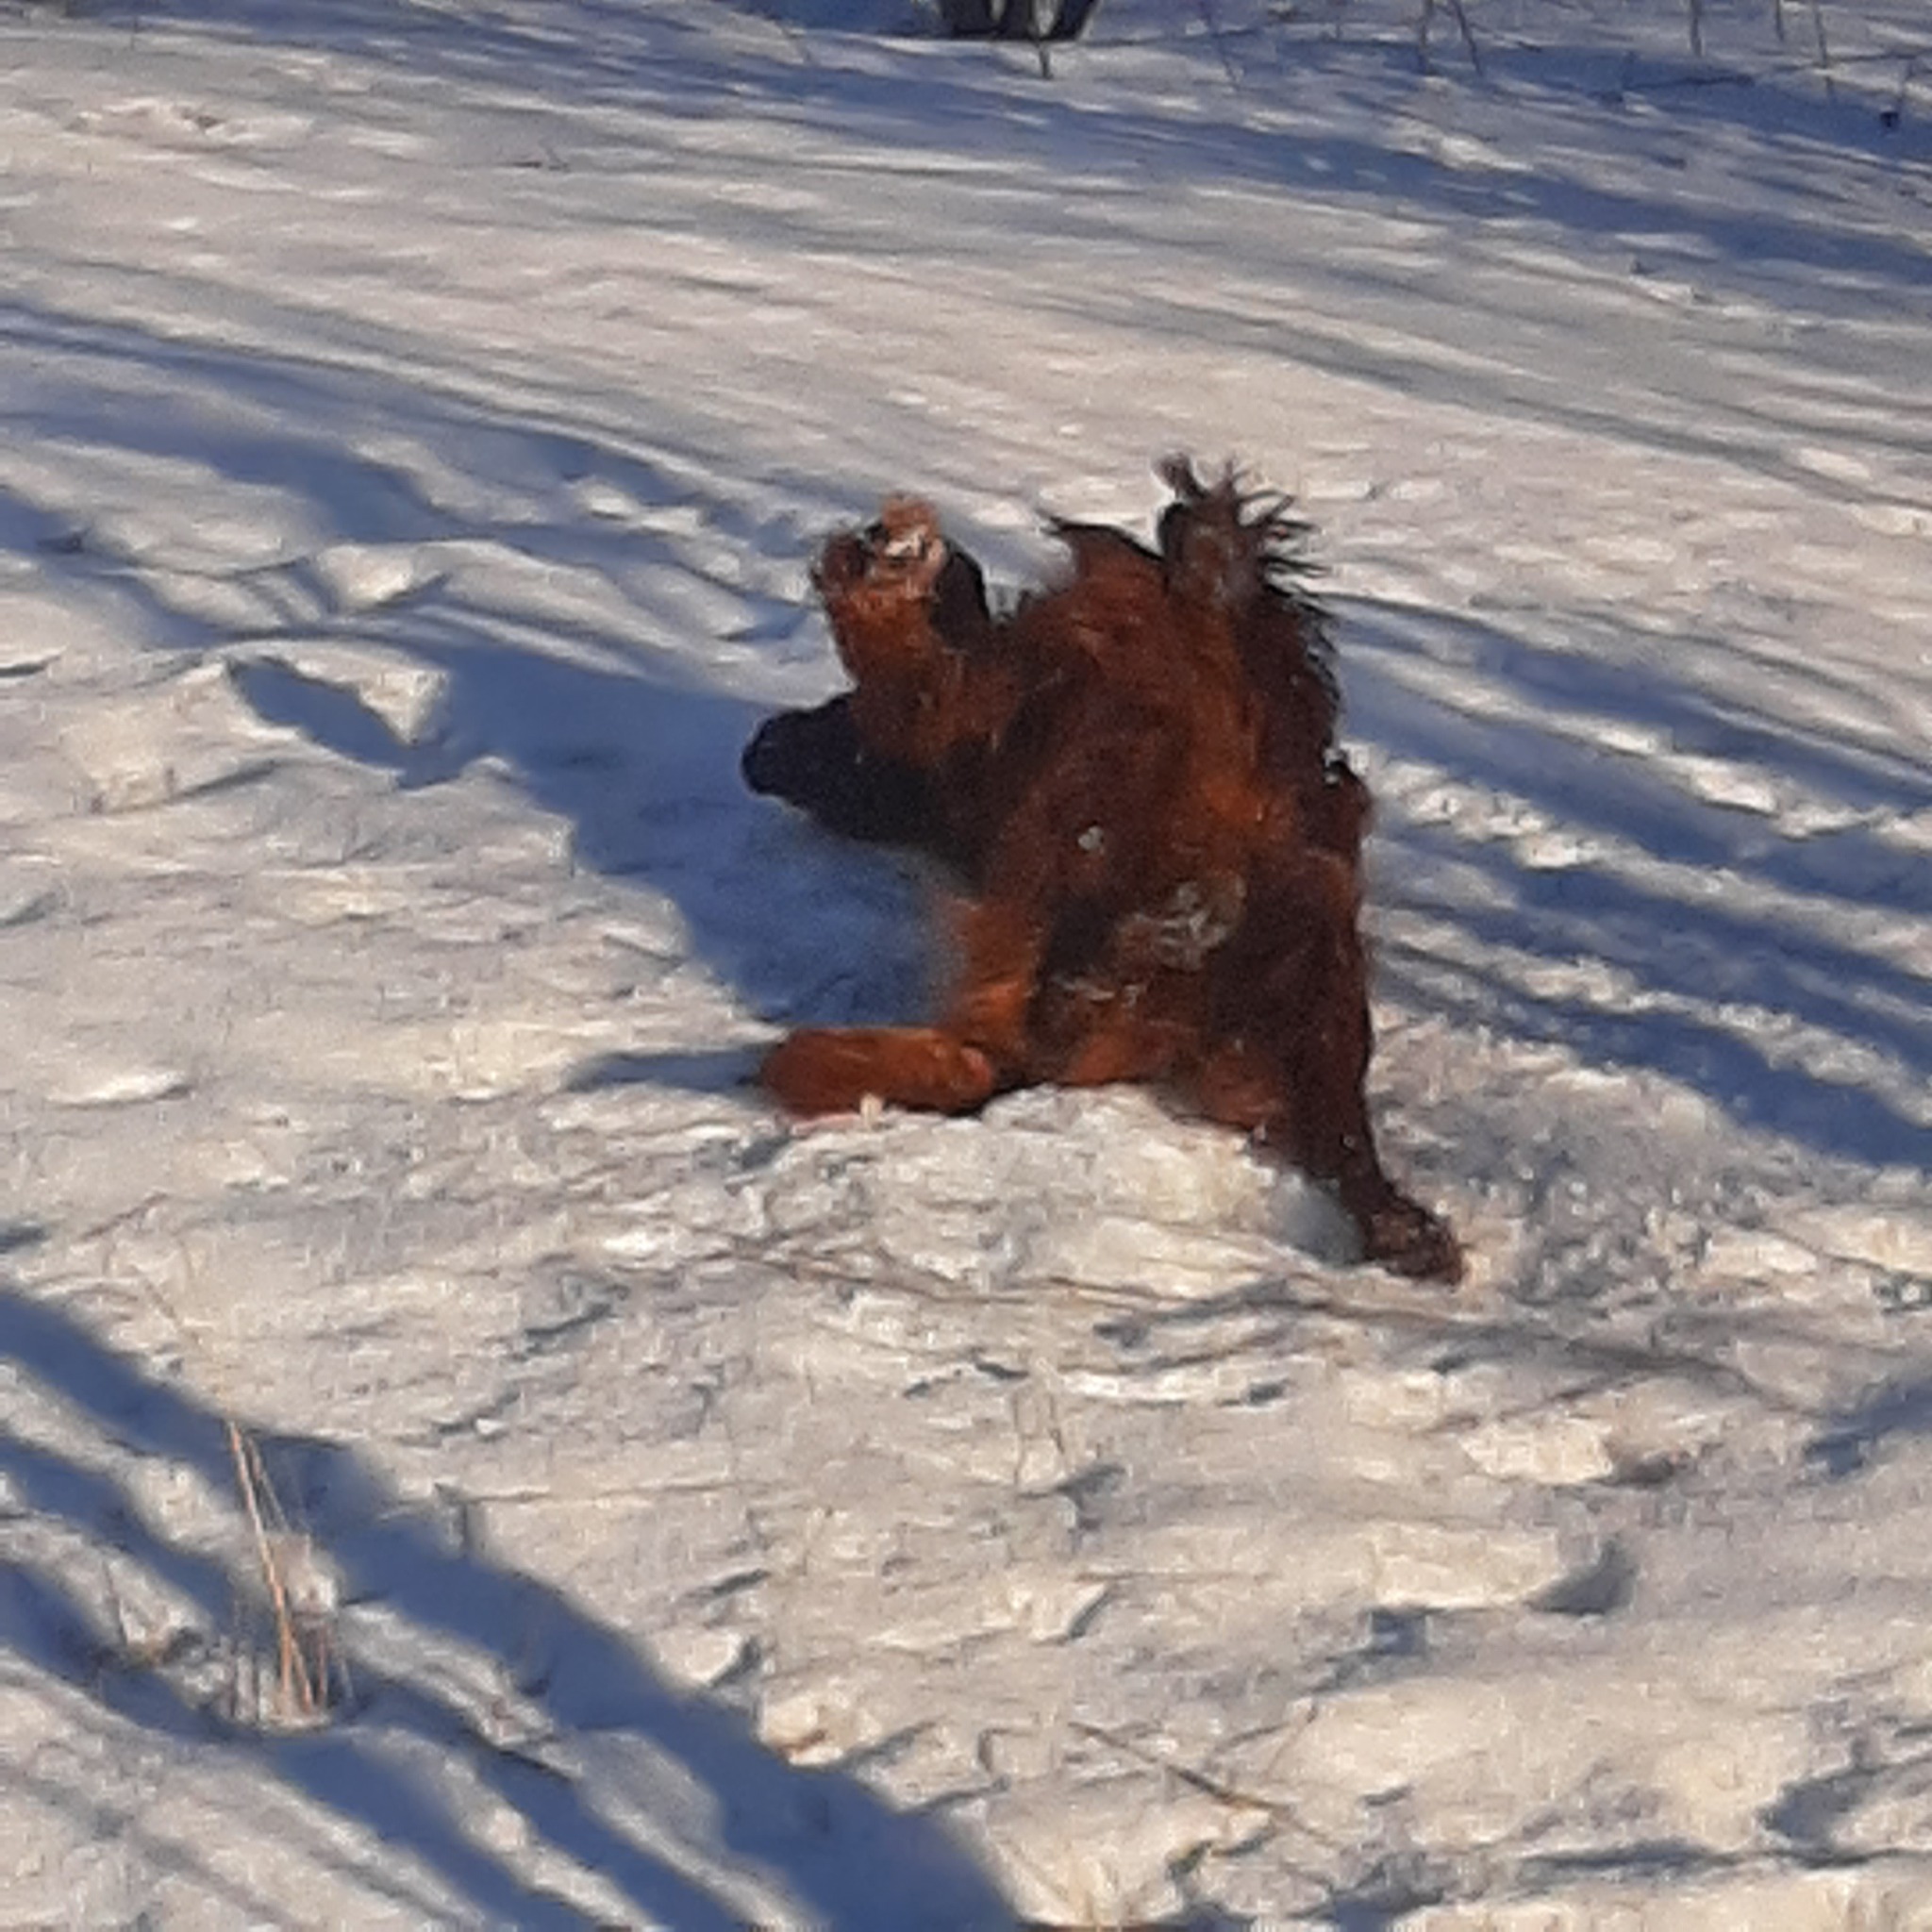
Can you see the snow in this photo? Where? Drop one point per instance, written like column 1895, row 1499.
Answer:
column 418, row 418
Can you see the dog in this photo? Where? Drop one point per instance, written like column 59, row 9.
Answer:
column 1133, row 778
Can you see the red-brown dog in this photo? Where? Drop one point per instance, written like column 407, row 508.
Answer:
column 1135, row 776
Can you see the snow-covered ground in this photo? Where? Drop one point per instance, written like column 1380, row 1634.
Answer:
column 417, row 419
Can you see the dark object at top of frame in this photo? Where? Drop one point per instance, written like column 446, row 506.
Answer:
column 1017, row 20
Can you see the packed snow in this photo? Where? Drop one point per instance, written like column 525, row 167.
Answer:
column 419, row 417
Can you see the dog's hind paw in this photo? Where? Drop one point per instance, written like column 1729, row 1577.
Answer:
column 1405, row 1238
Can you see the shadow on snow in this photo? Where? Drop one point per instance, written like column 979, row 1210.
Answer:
column 617, row 733
column 613, row 731
column 834, row 1848
column 1718, row 936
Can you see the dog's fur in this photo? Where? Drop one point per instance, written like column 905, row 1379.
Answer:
column 1135, row 778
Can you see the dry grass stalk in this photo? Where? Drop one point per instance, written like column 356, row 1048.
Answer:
column 307, row 1672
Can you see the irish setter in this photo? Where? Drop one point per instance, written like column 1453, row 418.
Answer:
column 1134, row 776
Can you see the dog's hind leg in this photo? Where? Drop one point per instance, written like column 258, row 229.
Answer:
column 1291, row 1054
column 980, row 1050
column 824, row 1070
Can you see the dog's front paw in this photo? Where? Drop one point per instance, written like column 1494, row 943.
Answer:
column 898, row 557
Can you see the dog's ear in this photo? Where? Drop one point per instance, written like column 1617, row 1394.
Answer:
column 817, row 762
column 958, row 607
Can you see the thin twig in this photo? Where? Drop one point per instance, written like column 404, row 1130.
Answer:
column 1205, row 1783
column 1894, row 115
column 1213, row 23
column 299, row 1693
column 1421, row 33
column 1823, row 51
column 1475, row 58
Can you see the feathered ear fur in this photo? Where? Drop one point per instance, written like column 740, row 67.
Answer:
column 1135, row 774
column 817, row 761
